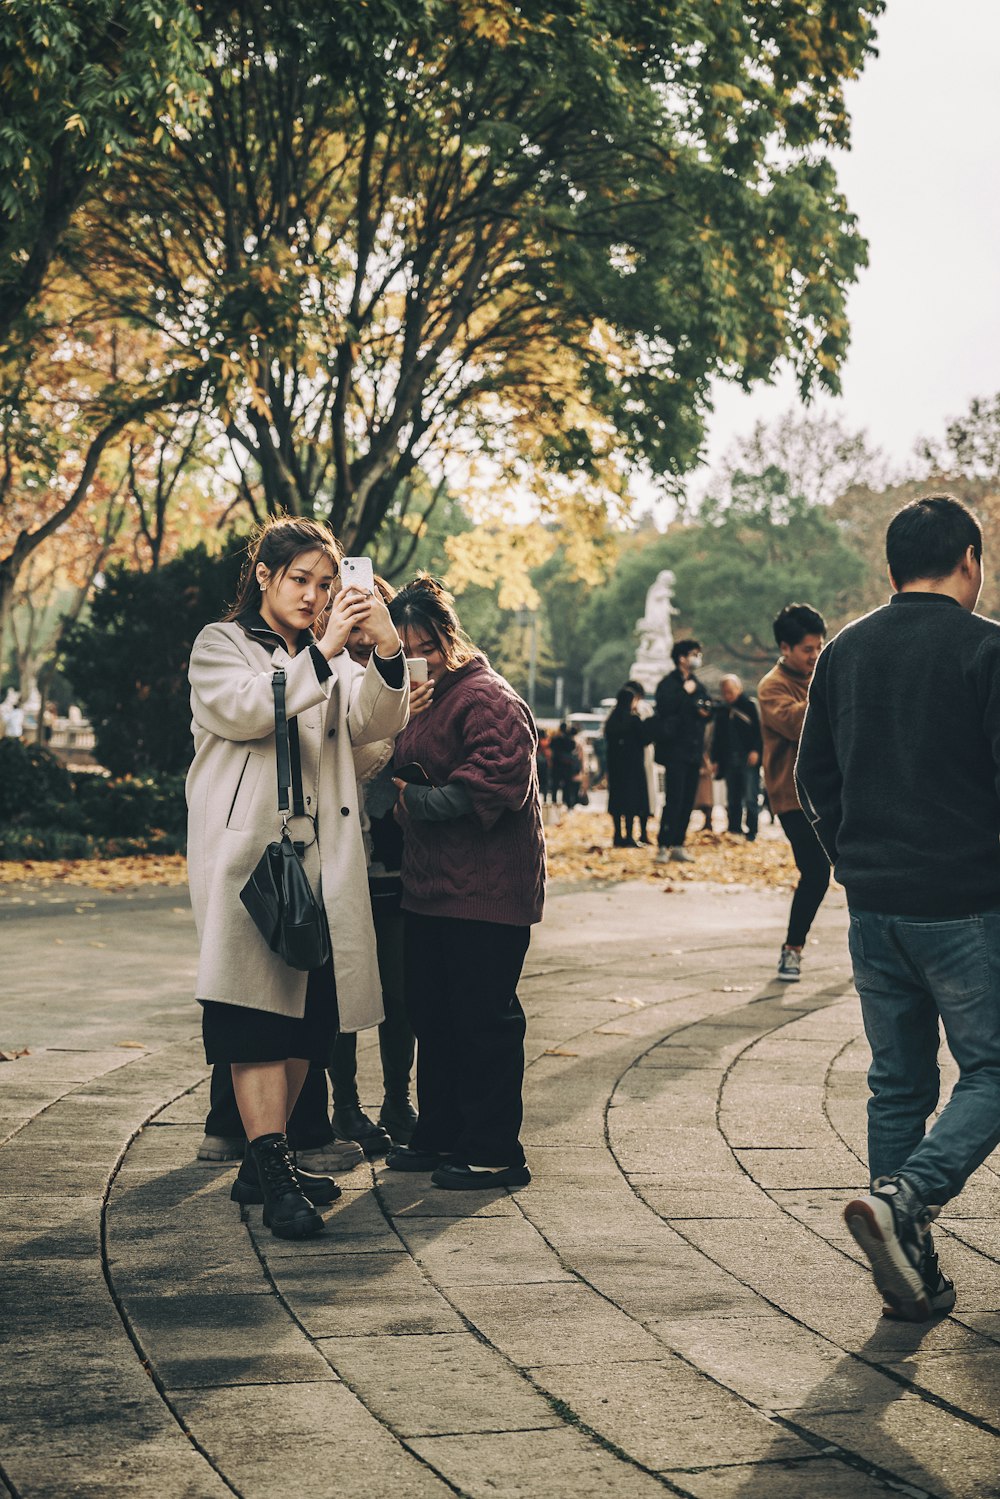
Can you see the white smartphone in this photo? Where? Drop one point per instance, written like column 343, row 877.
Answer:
column 357, row 572
column 417, row 667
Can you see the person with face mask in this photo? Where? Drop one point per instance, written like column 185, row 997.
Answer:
column 683, row 710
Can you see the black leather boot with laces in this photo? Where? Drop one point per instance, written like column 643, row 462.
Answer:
column 288, row 1213
column 246, row 1189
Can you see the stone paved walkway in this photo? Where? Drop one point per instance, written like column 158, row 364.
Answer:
column 672, row 1306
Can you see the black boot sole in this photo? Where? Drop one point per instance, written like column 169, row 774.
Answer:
column 300, row 1227
column 248, row 1196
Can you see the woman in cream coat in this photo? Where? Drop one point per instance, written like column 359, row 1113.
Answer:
column 269, row 1021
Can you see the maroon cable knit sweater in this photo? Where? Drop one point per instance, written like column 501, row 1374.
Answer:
column 488, row 865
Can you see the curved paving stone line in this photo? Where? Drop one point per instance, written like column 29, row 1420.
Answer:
column 81, row 1413
column 811, row 1288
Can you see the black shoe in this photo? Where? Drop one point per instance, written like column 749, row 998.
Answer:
column 456, row 1176
column 288, row 1213
column 405, row 1158
column 890, row 1224
column 350, row 1123
column 320, row 1190
column 398, row 1118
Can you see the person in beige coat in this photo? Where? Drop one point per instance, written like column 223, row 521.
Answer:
column 269, row 1021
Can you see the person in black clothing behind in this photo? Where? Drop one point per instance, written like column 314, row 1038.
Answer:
column 899, row 772
column 683, row 708
column 626, row 736
column 736, row 750
column 566, row 766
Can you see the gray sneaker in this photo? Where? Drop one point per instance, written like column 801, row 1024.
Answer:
column 338, row 1155
column 891, row 1225
column 662, row 856
column 221, row 1148
column 681, row 856
column 789, row 966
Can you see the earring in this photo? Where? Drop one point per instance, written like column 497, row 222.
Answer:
column 263, row 587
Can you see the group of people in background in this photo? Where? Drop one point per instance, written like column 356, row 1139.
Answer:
column 693, row 738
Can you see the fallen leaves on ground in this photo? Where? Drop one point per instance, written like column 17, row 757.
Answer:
column 580, row 848
column 12, row 1056
column 99, row 874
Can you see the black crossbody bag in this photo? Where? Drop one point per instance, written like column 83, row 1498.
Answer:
column 278, row 894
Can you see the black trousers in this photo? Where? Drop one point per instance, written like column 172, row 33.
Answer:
column 461, row 994
column 814, row 875
column 680, row 786
column 309, row 1127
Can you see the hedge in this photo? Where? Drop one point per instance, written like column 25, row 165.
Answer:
column 48, row 813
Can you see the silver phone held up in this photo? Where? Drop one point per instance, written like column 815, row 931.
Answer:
column 417, row 667
column 358, row 572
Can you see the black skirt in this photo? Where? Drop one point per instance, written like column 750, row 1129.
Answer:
column 235, row 1033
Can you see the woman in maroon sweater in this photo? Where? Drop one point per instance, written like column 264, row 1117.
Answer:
column 473, row 885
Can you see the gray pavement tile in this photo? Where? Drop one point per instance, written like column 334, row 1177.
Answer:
column 38, row 1227
column 526, row 1464
column 438, row 1384
column 968, row 1380
column 915, row 1441
column 665, row 1414
column 273, row 1441
column 672, row 1200
column 410, row 1195
column 138, row 1471
column 830, row 1165
column 354, row 1224
column 481, row 1251
column 809, row 1478
column 206, row 1339
column 554, row 1323
column 362, row 1295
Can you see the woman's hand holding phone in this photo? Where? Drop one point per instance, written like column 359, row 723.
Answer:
column 381, row 628
column 421, row 695
column 347, row 609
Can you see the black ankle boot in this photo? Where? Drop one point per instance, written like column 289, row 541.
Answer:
column 288, row 1213
column 320, row 1190
column 351, row 1123
column 398, row 1117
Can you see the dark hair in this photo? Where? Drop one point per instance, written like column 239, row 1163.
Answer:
column 795, row 622
column 276, row 544
column 683, row 648
column 634, row 685
column 425, row 605
column 928, row 538
column 622, row 711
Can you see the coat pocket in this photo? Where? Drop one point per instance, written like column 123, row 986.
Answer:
column 245, row 789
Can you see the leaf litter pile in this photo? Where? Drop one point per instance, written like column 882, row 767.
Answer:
column 579, row 849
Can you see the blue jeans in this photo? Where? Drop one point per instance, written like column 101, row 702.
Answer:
column 910, row 972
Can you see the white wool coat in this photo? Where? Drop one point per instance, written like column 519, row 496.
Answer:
column 233, row 814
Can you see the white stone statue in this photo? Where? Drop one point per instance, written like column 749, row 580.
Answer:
column 655, row 634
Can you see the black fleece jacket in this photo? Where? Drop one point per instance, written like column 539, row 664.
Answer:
column 899, row 761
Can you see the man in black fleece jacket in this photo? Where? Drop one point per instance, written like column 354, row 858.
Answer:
column 899, row 772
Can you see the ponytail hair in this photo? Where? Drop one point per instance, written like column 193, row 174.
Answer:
column 276, row 544
column 425, row 606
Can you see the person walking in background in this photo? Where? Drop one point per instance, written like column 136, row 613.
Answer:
column 473, row 886
column 736, row 749
column 645, row 712
column 266, row 1021
column 783, row 693
column 683, row 709
column 899, row 771
column 625, row 738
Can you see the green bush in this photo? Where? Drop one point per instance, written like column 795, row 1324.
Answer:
column 46, row 813
column 127, row 663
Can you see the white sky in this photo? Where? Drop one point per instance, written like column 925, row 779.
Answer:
column 923, row 177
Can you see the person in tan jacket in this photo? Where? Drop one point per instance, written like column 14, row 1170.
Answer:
column 264, row 1019
column 800, row 632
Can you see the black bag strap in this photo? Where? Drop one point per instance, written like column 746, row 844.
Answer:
column 287, row 757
